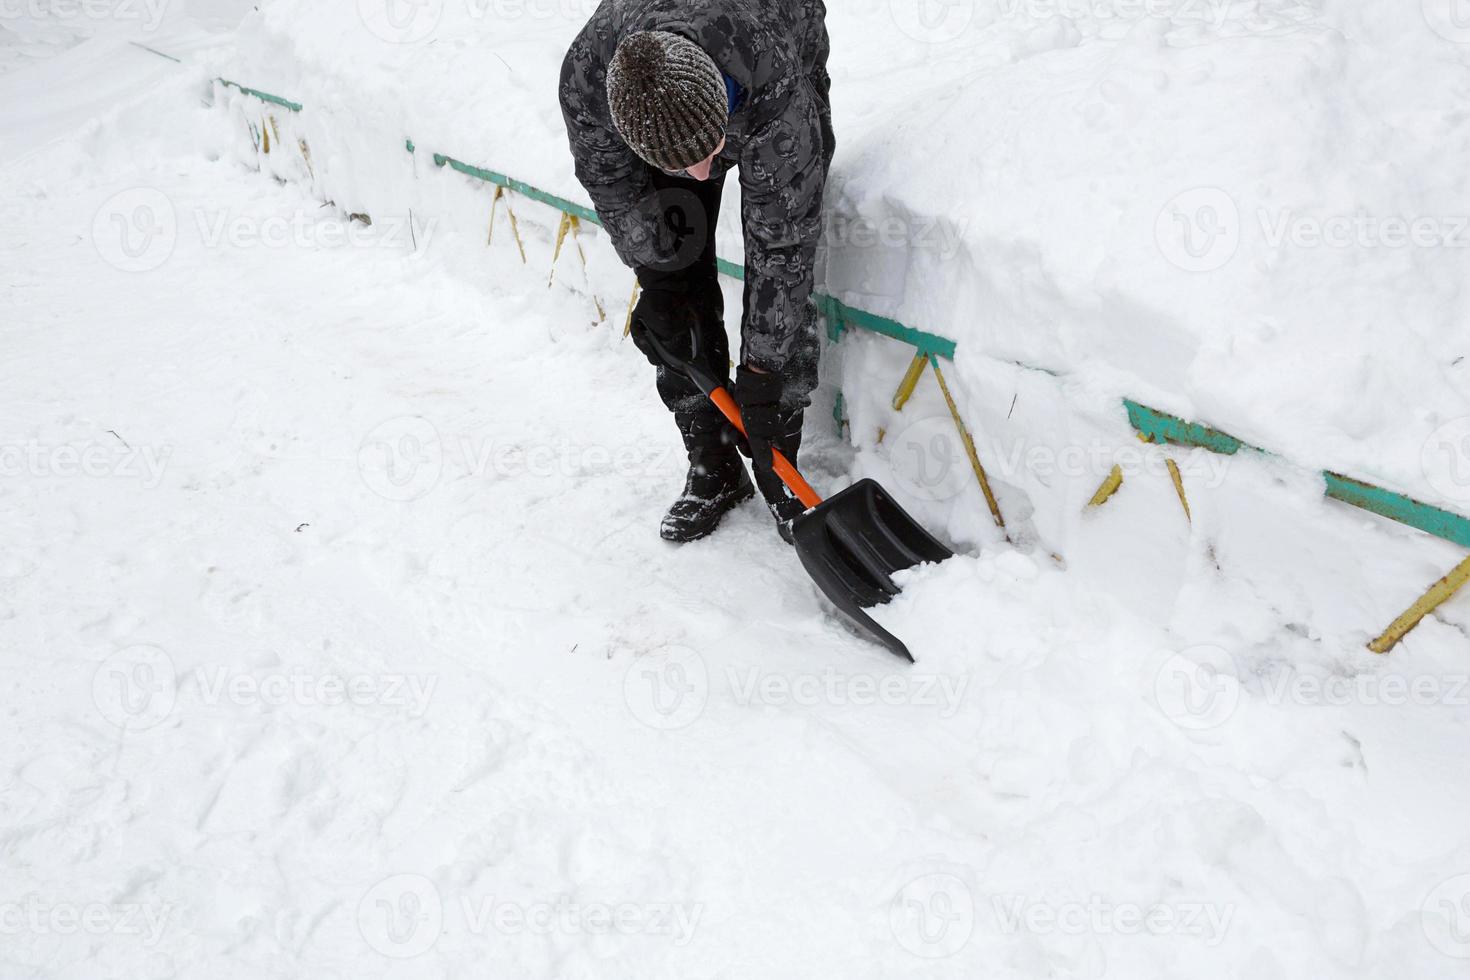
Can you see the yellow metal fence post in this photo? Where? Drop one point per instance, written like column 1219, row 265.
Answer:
column 561, row 236
column 1107, row 488
column 969, row 443
column 632, row 302
column 515, row 231
column 1439, row 593
column 586, row 273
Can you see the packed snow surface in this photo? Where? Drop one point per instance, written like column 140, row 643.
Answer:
column 337, row 639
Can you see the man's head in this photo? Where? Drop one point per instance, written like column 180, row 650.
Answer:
column 668, row 100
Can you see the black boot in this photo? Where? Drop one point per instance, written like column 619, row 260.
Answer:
column 716, row 484
column 783, row 504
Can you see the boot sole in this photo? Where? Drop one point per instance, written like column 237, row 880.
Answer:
column 739, row 497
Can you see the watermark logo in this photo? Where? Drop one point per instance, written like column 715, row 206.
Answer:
column 1214, row 13
column 1199, row 230
column 1446, row 917
column 148, row 14
column 410, row 692
column 934, row 916
column 1197, row 689
column 90, row 460
column 401, row 916
column 941, row 693
column 1202, row 920
column 675, row 920
column 135, row 688
column 932, row 21
column 679, row 226
column 42, row 918
column 1445, row 460
column 1289, row 227
column 1450, row 19
column 928, row 459
column 400, row 21
column 942, row 235
column 402, row 459
column 404, row 916
column 313, row 229
column 1392, row 690
column 667, row 689
column 136, row 230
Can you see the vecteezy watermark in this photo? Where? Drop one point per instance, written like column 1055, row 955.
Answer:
column 1213, row 13
column 1095, row 916
column 929, row 458
column 400, row 21
column 668, row 688
column 1289, row 227
column 40, row 917
column 940, row 235
column 403, row 916
column 311, row 689
column 1445, row 915
column 571, row 11
column 931, row 462
column 135, row 688
column 1445, row 460
column 309, row 229
column 940, row 692
column 488, row 915
column 932, row 21
column 1199, row 230
column 89, row 460
column 1197, row 688
column 1450, row 19
column 404, row 458
column 933, row 916
column 147, row 13
column 136, row 230
column 1393, row 690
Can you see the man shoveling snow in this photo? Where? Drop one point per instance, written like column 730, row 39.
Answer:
column 661, row 99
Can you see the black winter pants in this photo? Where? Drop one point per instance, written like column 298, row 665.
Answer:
column 690, row 210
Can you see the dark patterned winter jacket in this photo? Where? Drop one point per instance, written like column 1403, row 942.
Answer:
column 780, row 137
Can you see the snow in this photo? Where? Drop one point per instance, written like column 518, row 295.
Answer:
column 337, row 640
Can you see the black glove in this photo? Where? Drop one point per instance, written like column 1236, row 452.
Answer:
column 759, row 398
column 670, row 307
column 667, row 313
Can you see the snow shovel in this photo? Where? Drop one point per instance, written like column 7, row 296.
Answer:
column 852, row 544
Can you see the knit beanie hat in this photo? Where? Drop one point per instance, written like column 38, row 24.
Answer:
column 668, row 99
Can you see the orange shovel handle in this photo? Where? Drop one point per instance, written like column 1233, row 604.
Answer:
column 780, row 463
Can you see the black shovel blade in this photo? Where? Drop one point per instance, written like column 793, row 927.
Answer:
column 851, row 545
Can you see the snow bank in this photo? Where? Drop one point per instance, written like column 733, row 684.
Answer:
column 1248, row 212
column 1095, row 200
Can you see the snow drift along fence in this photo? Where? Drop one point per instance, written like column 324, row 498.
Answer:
column 1151, row 424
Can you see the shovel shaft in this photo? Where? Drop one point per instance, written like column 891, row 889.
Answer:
column 788, row 473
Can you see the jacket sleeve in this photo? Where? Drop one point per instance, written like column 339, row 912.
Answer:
column 782, row 173
column 615, row 178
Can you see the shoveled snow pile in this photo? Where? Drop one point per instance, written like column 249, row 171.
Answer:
column 337, row 640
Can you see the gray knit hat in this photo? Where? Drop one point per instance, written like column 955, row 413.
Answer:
column 667, row 98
